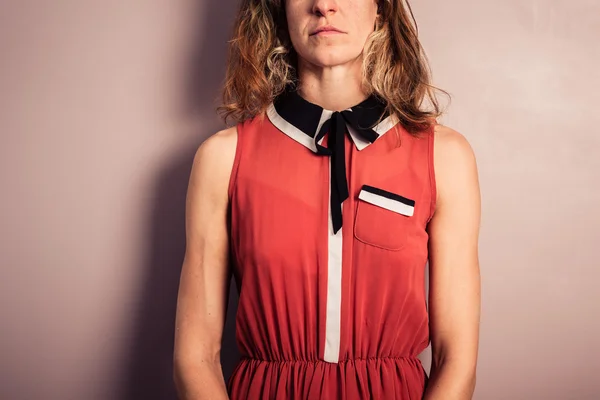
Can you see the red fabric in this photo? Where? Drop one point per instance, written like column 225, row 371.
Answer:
column 279, row 241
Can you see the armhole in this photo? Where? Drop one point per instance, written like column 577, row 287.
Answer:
column 236, row 161
column 430, row 164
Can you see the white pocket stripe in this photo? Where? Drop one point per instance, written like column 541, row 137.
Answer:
column 387, row 203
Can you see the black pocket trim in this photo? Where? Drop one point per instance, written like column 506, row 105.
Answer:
column 389, row 195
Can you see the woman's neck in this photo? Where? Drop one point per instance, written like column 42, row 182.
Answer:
column 334, row 88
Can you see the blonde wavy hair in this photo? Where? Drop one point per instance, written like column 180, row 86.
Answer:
column 261, row 62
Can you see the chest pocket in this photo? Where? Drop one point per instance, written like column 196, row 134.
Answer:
column 383, row 218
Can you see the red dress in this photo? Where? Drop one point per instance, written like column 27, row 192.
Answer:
column 330, row 308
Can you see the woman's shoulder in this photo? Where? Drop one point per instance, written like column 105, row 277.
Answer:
column 219, row 145
column 454, row 159
column 451, row 145
column 213, row 162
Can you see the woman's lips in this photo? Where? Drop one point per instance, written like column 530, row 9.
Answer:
column 327, row 30
column 327, row 33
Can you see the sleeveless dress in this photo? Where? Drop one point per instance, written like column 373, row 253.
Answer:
column 330, row 308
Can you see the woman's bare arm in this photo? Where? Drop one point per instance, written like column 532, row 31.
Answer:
column 205, row 277
column 454, row 295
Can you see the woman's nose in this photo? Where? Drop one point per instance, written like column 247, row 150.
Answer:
column 324, row 7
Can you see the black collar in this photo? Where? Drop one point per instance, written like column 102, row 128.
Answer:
column 307, row 123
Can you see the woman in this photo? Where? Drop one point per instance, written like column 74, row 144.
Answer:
column 325, row 201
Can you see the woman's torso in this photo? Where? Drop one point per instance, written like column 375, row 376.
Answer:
column 323, row 315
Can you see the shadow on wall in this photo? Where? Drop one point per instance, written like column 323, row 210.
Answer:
column 149, row 368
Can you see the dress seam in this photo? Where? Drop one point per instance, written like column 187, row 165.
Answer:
column 431, row 170
column 323, row 361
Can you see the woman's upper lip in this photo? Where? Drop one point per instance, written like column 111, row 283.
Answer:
column 325, row 28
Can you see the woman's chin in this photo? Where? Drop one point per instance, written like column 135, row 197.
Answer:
column 329, row 58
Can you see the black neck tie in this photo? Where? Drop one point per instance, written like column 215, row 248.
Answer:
column 337, row 127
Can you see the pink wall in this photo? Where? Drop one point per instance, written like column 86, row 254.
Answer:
column 103, row 103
